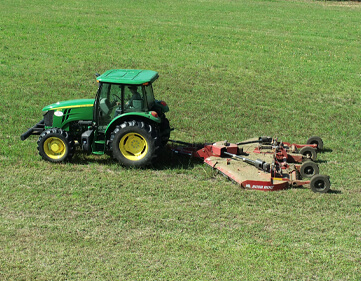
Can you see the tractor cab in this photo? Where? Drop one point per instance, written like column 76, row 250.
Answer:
column 114, row 100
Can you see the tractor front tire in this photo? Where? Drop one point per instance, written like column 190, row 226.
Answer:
column 134, row 143
column 55, row 145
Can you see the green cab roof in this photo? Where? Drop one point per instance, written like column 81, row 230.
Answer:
column 128, row 76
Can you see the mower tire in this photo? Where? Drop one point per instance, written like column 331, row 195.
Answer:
column 316, row 140
column 320, row 183
column 55, row 145
column 309, row 152
column 309, row 169
column 134, row 143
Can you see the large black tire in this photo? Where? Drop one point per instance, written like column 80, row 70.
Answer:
column 55, row 145
column 309, row 169
column 165, row 131
column 320, row 183
column 316, row 140
column 134, row 143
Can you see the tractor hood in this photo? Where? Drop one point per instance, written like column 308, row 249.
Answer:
column 70, row 104
column 62, row 114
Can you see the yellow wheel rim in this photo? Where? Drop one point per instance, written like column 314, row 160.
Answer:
column 133, row 146
column 54, row 148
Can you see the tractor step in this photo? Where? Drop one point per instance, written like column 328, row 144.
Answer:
column 99, row 147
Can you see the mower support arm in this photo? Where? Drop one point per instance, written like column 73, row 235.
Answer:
column 260, row 164
column 259, row 140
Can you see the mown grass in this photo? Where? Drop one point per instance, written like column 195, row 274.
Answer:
column 228, row 70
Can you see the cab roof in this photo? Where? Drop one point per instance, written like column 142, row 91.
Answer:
column 128, row 76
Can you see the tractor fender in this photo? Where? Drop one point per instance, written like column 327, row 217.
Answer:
column 143, row 116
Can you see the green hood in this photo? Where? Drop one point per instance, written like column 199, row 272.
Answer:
column 70, row 104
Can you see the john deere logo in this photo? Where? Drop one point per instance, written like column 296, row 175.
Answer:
column 58, row 113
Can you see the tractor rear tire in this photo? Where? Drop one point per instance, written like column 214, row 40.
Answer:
column 320, row 183
column 55, row 145
column 134, row 143
column 165, row 129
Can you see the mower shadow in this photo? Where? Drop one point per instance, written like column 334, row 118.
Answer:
column 325, row 150
column 334, row 191
column 320, row 161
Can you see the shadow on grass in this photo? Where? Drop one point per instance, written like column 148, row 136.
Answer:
column 328, row 192
column 334, row 191
column 170, row 160
column 325, row 150
column 166, row 160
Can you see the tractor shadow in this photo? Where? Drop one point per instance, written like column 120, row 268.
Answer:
column 82, row 158
column 169, row 160
column 166, row 160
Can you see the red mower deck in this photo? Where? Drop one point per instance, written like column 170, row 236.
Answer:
column 263, row 163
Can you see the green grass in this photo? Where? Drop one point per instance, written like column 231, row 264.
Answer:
column 228, row 70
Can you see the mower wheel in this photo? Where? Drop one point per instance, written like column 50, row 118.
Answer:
column 134, row 143
column 55, row 145
column 309, row 169
column 309, row 152
column 316, row 140
column 320, row 183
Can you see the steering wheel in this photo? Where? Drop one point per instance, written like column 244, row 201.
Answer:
column 118, row 98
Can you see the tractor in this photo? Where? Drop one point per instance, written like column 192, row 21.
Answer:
column 123, row 120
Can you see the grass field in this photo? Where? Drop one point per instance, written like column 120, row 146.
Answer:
column 228, row 70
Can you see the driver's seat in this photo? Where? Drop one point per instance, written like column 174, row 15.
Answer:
column 105, row 106
column 138, row 105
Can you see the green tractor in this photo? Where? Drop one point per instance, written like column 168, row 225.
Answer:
column 124, row 120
